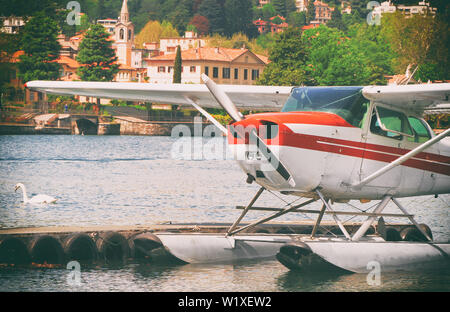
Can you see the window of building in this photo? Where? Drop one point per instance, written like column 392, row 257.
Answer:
column 236, row 73
column 192, row 69
column 169, row 69
column 129, row 34
column 161, row 69
column 121, row 34
column 245, row 74
column 206, row 70
column 255, row 74
column 226, row 73
column 215, row 72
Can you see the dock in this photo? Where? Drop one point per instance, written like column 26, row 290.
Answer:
column 56, row 246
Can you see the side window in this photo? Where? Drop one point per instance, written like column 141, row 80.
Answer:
column 376, row 129
column 390, row 123
column 421, row 133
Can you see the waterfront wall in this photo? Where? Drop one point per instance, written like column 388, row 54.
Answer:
column 120, row 126
column 31, row 129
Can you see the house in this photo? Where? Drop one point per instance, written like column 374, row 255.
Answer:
column 189, row 41
column 223, row 65
column 271, row 25
column 323, row 12
column 12, row 24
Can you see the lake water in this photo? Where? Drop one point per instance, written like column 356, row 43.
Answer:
column 135, row 180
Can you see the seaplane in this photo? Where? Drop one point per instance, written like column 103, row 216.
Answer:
column 327, row 145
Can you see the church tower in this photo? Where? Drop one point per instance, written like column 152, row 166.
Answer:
column 124, row 32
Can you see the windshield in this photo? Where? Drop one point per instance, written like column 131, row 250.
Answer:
column 347, row 102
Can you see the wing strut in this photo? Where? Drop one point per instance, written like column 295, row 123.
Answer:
column 402, row 159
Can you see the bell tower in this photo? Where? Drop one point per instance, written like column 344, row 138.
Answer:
column 124, row 33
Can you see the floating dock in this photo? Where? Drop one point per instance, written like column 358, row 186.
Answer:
column 161, row 243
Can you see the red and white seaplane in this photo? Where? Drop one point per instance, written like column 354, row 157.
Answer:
column 327, row 144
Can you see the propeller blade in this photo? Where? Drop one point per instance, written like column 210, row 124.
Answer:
column 224, row 101
column 222, row 98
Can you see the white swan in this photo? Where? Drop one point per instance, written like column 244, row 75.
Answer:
column 38, row 199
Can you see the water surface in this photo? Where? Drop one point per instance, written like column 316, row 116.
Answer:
column 134, row 180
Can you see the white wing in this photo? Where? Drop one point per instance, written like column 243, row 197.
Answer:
column 245, row 97
column 42, row 199
column 414, row 97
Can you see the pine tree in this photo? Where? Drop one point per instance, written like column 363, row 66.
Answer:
column 96, row 56
column 213, row 11
column 177, row 67
column 279, row 6
column 238, row 15
column 38, row 40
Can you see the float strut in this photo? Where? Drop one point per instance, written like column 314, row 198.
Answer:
column 319, row 219
column 335, row 217
column 411, row 219
column 236, row 223
column 365, row 226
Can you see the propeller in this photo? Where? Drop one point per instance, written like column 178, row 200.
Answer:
column 226, row 103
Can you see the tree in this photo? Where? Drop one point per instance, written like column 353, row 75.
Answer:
column 96, row 56
column 150, row 33
column 297, row 19
column 213, row 11
column 181, row 15
column 287, row 56
column 168, row 31
column 336, row 20
column 238, row 14
column 279, row 6
column 268, row 11
column 310, row 12
column 177, row 67
column 201, row 23
column 7, row 48
column 333, row 58
column 290, row 7
column 38, row 40
column 413, row 39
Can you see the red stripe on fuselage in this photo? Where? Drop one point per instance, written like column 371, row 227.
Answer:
column 424, row 161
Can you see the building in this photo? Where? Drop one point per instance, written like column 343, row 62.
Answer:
column 346, row 8
column 109, row 24
column 263, row 3
column 302, row 5
column 323, row 12
column 189, row 41
column 422, row 8
column 12, row 24
column 408, row 10
column 269, row 26
column 224, row 66
column 124, row 36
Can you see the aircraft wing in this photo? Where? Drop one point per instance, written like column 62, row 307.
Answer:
column 245, row 97
column 417, row 97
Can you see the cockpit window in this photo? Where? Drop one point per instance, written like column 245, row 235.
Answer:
column 347, row 102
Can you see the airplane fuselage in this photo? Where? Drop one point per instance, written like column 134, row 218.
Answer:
column 334, row 150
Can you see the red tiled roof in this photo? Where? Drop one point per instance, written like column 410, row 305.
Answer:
column 210, row 54
column 68, row 61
